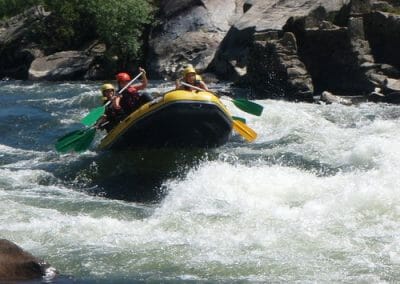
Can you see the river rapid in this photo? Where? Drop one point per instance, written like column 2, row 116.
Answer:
column 314, row 199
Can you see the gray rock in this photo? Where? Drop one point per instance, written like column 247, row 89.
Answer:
column 65, row 65
column 381, row 6
column 16, row 27
column 392, row 85
column 382, row 32
column 390, row 71
column 16, row 51
column 263, row 16
column 393, row 98
column 360, row 7
column 275, row 70
column 190, row 34
column 330, row 98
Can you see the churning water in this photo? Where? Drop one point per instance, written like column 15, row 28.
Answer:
column 314, row 199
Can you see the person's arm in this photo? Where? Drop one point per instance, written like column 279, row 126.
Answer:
column 115, row 102
column 203, row 85
column 144, row 78
column 100, row 121
column 178, row 85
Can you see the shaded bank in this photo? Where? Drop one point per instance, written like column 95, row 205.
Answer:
column 291, row 49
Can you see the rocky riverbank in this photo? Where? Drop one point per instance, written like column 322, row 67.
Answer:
column 294, row 50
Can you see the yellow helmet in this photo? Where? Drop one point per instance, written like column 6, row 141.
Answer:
column 188, row 70
column 107, row 87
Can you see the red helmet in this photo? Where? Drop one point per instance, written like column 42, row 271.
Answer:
column 123, row 77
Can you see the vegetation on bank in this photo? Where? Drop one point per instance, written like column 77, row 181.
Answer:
column 121, row 25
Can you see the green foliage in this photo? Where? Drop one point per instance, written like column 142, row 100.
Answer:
column 394, row 2
column 73, row 24
column 9, row 8
column 120, row 24
column 69, row 25
column 395, row 9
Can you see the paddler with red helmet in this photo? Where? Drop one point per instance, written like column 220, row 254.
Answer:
column 130, row 99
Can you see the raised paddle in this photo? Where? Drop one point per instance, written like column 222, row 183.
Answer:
column 96, row 113
column 245, row 105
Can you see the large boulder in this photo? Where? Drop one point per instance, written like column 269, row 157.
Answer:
column 275, row 70
column 338, row 57
column 382, row 31
column 190, row 33
column 16, row 50
column 19, row 265
column 263, row 16
column 65, row 65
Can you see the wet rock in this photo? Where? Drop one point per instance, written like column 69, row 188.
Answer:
column 19, row 265
column 275, row 70
column 65, row 65
column 16, row 50
column 360, row 7
column 382, row 32
column 393, row 98
column 263, row 16
column 376, row 96
column 392, row 85
column 190, row 33
column 330, row 98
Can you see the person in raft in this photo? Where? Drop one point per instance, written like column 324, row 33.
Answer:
column 131, row 99
column 113, row 112
column 190, row 77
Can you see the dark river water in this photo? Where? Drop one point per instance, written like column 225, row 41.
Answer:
column 314, row 199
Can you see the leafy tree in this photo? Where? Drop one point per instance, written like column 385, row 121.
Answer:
column 74, row 23
column 9, row 8
column 69, row 26
column 120, row 24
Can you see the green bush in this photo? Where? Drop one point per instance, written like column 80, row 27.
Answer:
column 394, row 2
column 9, row 8
column 120, row 24
column 395, row 9
column 74, row 23
column 69, row 25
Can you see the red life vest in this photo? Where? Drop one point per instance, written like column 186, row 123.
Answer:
column 129, row 100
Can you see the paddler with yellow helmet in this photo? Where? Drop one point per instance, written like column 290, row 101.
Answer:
column 107, row 91
column 113, row 112
column 190, row 77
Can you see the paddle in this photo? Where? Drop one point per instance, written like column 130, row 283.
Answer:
column 242, row 119
column 238, row 123
column 96, row 113
column 245, row 105
column 246, row 132
column 77, row 141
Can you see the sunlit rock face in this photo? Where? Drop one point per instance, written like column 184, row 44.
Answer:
column 190, row 33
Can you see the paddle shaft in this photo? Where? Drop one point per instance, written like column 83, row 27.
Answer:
column 124, row 88
column 193, row 87
column 200, row 89
column 130, row 83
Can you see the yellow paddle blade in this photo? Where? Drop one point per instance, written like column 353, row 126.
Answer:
column 247, row 133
